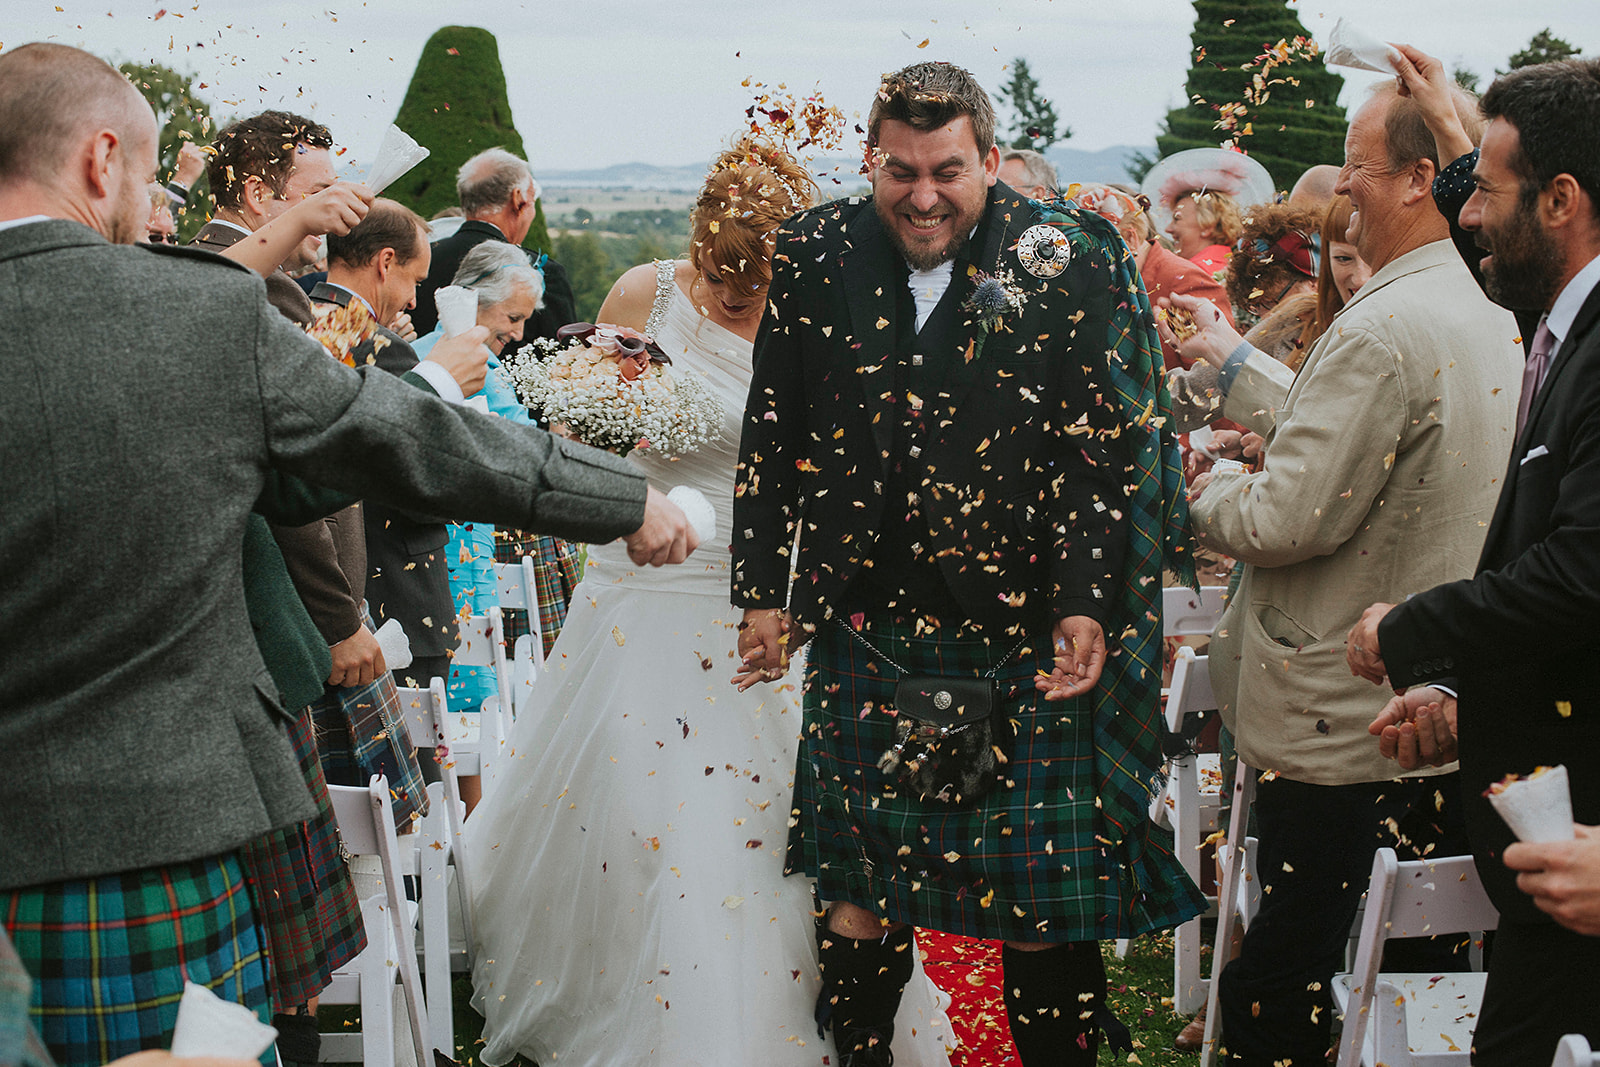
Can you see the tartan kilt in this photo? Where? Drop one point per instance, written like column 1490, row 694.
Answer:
column 303, row 892
column 556, row 572
column 1024, row 863
column 360, row 733
column 110, row 955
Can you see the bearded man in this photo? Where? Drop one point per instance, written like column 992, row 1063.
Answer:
column 980, row 500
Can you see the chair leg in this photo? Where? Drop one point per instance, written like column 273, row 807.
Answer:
column 436, row 932
column 1227, row 901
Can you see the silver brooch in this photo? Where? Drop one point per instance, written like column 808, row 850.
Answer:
column 1043, row 251
column 942, row 700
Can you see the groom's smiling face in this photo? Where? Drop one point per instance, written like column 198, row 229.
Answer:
column 930, row 188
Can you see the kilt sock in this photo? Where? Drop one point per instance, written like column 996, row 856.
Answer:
column 1056, row 1003
column 861, row 986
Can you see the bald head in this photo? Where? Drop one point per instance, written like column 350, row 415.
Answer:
column 53, row 98
column 1315, row 187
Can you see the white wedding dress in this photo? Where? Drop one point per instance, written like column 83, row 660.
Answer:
column 630, row 900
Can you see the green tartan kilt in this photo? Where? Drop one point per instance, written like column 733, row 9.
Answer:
column 110, row 955
column 1024, row 863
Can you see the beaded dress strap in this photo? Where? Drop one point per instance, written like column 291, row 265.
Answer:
column 666, row 281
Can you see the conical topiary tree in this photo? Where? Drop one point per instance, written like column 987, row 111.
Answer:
column 1295, row 127
column 456, row 106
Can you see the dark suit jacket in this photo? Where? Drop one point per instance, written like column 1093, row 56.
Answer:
column 406, row 576
column 1520, row 638
column 557, row 309
column 285, row 295
column 129, row 464
column 1024, row 501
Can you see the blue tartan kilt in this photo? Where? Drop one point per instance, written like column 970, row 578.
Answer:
column 110, row 955
column 1023, row 863
column 360, row 733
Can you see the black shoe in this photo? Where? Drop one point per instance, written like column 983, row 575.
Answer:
column 864, row 1048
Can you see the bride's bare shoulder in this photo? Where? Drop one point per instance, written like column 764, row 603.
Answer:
column 631, row 297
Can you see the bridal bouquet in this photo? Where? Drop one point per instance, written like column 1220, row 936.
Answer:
column 612, row 388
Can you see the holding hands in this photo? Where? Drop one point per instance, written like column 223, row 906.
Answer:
column 763, row 646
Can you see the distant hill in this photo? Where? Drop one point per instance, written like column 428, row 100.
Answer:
column 1074, row 165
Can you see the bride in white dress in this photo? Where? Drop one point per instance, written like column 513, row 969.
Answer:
column 632, row 907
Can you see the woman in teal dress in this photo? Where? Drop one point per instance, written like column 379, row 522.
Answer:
column 509, row 289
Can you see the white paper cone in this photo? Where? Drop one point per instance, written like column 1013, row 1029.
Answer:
column 1537, row 809
column 395, row 644
column 1349, row 47
column 477, row 402
column 210, row 1026
column 698, row 510
column 458, row 309
column 398, row 154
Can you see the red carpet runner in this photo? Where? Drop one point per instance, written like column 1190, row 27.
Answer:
column 970, row 972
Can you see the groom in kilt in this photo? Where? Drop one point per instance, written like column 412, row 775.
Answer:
column 956, row 409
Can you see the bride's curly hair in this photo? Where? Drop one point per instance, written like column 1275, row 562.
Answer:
column 753, row 186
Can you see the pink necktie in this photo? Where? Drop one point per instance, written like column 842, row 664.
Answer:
column 1533, row 372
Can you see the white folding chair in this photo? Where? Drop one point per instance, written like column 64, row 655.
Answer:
column 476, row 735
column 1422, row 1018
column 440, row 852
column 366, row 828
column 1191, row 805
column 1573, row 1051
column 518, row 584
column 1238, row 896
column 1185, row 613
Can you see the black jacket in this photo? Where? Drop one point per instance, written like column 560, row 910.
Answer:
column 1023, row 501
column 1519, row 636
column 557, row 310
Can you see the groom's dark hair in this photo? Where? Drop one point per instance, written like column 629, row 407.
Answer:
column 926, row 96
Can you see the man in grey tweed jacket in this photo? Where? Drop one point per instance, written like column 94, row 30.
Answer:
column 143, row 394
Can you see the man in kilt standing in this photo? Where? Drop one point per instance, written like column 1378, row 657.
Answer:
column 955, row 408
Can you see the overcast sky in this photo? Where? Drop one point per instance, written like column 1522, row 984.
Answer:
column 596, row 82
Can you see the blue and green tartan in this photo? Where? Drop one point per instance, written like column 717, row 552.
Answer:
column 1068, row 853
column 110, row 955
column 1027, row 862
column 1127, row 731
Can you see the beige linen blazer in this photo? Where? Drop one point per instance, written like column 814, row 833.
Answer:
column 1384, row 460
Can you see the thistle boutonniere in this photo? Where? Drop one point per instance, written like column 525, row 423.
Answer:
column 993, row 297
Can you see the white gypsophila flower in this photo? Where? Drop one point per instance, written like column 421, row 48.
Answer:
column 583, row 388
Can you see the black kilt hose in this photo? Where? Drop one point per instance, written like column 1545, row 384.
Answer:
column 1024, row 863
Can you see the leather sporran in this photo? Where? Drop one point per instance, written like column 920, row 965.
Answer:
column 945, row 743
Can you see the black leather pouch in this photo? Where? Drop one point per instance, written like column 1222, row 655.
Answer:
column 945, row 746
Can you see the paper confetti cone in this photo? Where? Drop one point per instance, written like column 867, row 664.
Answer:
column 697, row 509
column 398, row 154
column 210, row 1026
column 1538, row 808
column 458, row 309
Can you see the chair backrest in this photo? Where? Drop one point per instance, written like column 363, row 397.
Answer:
column 352, row 810
column 1191, row 687
column 479, row 636
column 518, row 584
column 1185, row 612
column 1413, row 898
